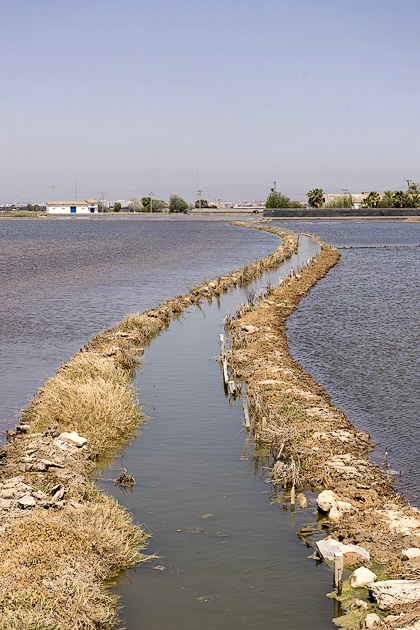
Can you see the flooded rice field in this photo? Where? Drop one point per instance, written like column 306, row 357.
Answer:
column 357, row 332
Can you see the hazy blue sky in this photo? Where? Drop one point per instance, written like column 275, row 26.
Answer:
column 133, row 96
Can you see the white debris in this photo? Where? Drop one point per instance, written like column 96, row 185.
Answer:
column 361, row 577
column 328, row 547
column 73, row 437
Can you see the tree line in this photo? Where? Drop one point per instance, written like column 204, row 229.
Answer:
column 316, row 199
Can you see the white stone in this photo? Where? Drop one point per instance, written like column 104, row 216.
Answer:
column 344, row 507
column 27, row 501
column 373, row 621
column 73, row 437
column 329, row 546
column 326, row 500
column 409, row 554
column 392, row 592
column 361, row 577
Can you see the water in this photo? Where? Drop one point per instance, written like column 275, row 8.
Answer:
column 227, row 558
column 357, row 332
column 63, row 281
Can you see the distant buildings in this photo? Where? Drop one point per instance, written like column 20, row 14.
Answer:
column 88, row 206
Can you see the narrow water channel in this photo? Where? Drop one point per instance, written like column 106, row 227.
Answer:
column 229, row 557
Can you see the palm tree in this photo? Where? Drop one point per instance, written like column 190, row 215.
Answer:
column 373, row 199
column 315, row 197
column 400, row 199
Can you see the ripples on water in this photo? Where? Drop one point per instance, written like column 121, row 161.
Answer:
column 357, row 332
column 63, row 281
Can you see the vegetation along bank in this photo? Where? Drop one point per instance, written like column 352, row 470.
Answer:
column 62, row 540
column 363, row 523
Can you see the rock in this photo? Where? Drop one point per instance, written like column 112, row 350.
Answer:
column 392, row 592
column 326, row 500
column 409, row 554
column 328, row 547
column 73, row 437
column 58, row 495
column 358, row 604
column 27, row 501
column 249, row 328
column 22, row 428
column 344, row 507
column 335, row 514
column 339, row 509
column 373, row 621
column 361, row 577
column 302, row 500
column 50, row 464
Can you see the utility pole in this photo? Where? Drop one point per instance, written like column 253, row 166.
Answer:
column 151, row 201
column 102, row 196
column 273, row 188
column 76, row 191
column 200, row 192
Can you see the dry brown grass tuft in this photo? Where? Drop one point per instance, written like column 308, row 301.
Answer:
column 52, row 564
column 90, row 395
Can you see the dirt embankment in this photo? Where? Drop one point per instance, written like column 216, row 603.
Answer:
column 314, row 444
column 61, row 539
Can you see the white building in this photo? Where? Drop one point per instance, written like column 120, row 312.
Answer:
column 88, row 206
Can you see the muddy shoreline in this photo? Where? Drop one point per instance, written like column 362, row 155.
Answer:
column 62, row 540
column 316, row 448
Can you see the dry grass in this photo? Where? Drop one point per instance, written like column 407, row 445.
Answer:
column 52, row 563
column 91, row 395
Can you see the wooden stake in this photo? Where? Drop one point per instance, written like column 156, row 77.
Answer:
column 231, row 387
column 338, row 571
column 225, row 371
column 222, row 345
column 246, row 414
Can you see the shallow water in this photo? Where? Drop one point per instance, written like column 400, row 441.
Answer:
column 228, row 559
column 63, row 281
column 357, row 332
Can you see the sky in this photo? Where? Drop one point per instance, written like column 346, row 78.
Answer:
column 121, row 98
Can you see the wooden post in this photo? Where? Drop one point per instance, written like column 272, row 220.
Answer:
column 222, row 345
column 225, row 371
column 338, row 571
column 246, row 413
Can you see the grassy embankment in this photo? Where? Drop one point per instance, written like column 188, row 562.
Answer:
column 63, row 540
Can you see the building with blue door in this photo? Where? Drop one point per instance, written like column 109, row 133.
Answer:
column 88, row 206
